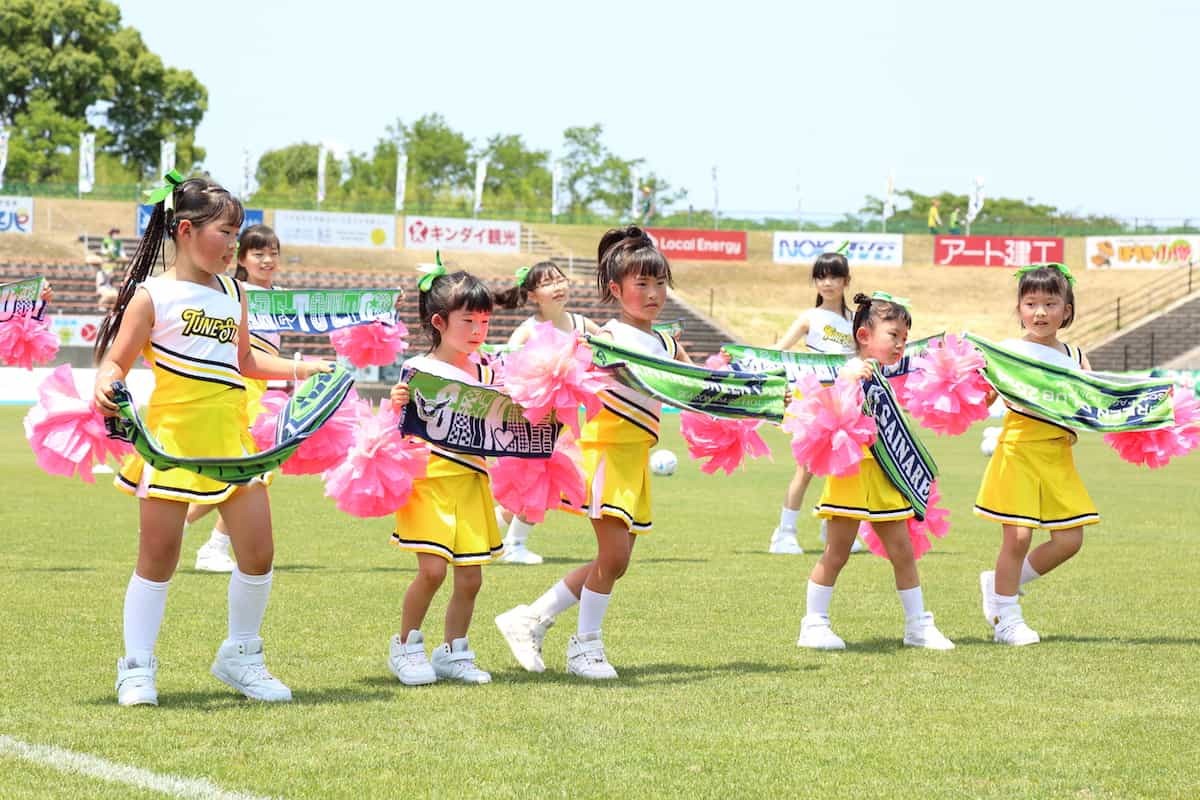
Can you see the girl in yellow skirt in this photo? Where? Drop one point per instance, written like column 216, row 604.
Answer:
column 189, row 323
column 880, row 331
column 1031, row 481
column 257, row 263
column 616, row 452
column 448, row 519
column 548, row 288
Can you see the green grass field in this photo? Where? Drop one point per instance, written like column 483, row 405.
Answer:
column 714, row 698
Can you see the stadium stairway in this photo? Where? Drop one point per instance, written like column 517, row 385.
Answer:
column 1153, row 341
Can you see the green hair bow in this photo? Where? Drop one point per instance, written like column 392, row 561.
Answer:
column 1066, row 273
column 426, row 281
column 166, row 191
column 521, row 274
column 842, row 248
column 900, row 301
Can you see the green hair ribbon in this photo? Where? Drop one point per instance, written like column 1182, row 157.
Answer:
column 521, row 274
column 167, row 190
column 900, row 301
column 1066, row 273
column 842, row 248
column 426, row 281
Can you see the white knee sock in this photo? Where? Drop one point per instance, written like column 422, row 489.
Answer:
column 145, row 602
column 1028, row 573
column 248, row 596
column 592, row 606
column 818, row 600
column 554, row 602
column 518, row 532
column 787, row 517
column 913, row 602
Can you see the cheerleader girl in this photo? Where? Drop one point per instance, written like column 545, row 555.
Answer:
column 448, row 519
column 545, row 285
column 616, row 452
column 880, row 332
column 190, row 325
column 257, row 262
column 1031, row 481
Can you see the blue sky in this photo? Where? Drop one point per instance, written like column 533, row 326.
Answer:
column 1087, row 106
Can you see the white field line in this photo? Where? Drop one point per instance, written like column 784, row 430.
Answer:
column 83, row 764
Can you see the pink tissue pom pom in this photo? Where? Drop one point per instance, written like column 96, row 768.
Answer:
column 724, row 442
column 553, row 373
column 323, row 450
column 945, row 390
column 376, row 477
column 27, row 342
column 829, row 430
column 529, row 487
column 1156, row 448
column 936, row 522
column 375, row 344
column 66, row 432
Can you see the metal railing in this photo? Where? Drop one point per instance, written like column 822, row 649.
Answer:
column 1127, row 309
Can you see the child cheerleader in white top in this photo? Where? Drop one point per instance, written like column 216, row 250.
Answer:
column 190, row 325
column 545, row 285
column 616, row 452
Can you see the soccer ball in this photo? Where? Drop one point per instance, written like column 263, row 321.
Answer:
column 663, row 462
column 991, row 437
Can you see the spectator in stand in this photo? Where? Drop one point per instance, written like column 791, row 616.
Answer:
column 955, row 227
column 935, row 219
column 648, row 210
column 106, row 290
column 112, row 250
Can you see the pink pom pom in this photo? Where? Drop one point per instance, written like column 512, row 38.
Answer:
column 553, row 373
column 377, row 475
column 66, row 432
column 26, row 342
column 945, row 390
column 936, row 522
column 1156, row 448
column 375, row 344
column 724, row 442
column 716, row 361
column 829, row 430
column 323, row 450
column 529, row 487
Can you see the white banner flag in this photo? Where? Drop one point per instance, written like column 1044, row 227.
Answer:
column 247, row 176
column 716, row 200
column 3, row 154
column 889, row 196
column 87, row 162
column 401, row 180
column 166, row 156
column 634, row 180
column 481, row 167
column 555, row 188
column 976, row 204
column 321, row 155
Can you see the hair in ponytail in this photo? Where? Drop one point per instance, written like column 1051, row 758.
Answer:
column 198, row 200
column 872, row 310
column 624, row 252
column 451, row 292
column 538, row 274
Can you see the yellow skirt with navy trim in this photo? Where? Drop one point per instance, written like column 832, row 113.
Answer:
column 214, row 427
column 450, row 515
column 866, row 495
column 618, row 483
column 1034, row 484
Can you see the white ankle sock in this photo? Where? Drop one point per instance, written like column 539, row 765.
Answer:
column 248, row 596
column 818, row 599
column 218, row 539
column 787, row 517
column 592, row 606
column 518, row 532
column 1028, row 573
column 554, row 602
column 1003, row 601
column 913, row 602
column 145, row 602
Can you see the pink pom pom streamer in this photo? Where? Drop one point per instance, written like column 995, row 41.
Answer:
column 945, row 390
column 724, row 442
column 377, row 475
column 375, row 344
column 936, row 522
column 553, row 373
column 27, row 342
column 829, row 430
column 529, row 487
column 66, row 432
column 323, row 450
column 1156, row 448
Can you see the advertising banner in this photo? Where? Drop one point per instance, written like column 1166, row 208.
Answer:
column 996, row 251
column 16, row 214
column 449, row 233
column 1141, row 252
column 333, row 229
column 699, row 245
column 862, row 249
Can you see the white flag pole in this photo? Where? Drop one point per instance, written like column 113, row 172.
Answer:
column 3, row 153
column 635, row 179
column 322, row 154
column 555, row 186
column 716, row 201
column 245, row 174
column 401, row 179
column 481, row 167
column 889, row 199
column 166, row 156
column 87, row 163
column 976, row 204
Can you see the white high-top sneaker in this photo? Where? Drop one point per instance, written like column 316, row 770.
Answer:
column 214, row 558
column 585, row 658
column 240, row 665
column 784, row 543
column 456, row 662
column 1012, row 630
column 407, row 660
column 817, row 634
column 920, row 631
column 524, row 631
column 136, row 682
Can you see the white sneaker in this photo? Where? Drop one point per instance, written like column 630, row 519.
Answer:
column 214, row 558
column 987, row 595
column 519, row 554
column 817, row 634
column 137, row 683
column 240, row 665
column 524, row 632
column 456, row 662
column 1012, row 630
column 585, row 658
column 783, row 543
column 921, row 632
column 856, row 547
column 408, row 662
